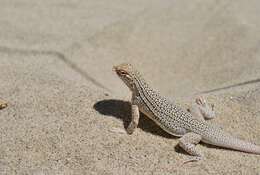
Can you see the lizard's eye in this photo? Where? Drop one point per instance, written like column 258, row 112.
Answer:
column 123, row 73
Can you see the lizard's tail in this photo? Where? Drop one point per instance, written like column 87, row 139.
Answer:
column 225, row 140
column 242, row 145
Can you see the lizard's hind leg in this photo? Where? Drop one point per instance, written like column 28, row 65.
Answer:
column 201, row 110
column 188, row 142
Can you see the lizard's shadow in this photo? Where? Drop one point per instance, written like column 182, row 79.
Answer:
column 122, row 110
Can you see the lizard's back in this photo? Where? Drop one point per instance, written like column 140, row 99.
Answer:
column 169, row 116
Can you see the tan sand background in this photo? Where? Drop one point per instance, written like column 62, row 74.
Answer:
column 55, row 71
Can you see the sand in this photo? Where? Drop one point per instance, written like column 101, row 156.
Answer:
column 56, row 61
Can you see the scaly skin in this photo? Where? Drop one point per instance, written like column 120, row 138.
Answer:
column 190, row 126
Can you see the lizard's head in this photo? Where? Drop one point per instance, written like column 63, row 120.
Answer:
column 126, row 73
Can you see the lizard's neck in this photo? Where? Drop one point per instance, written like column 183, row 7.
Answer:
column 141, row 86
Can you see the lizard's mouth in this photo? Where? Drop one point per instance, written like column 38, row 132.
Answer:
column 115, row 69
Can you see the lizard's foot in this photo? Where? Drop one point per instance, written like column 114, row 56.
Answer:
column 117, row 130
column 194, row 159
column 131, row 128
column 3, row 104
column 206, row 110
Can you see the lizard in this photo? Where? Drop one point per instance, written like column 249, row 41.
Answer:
column 3, row 104
column 190, row 125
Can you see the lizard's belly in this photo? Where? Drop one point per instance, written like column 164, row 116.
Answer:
column 165, row 125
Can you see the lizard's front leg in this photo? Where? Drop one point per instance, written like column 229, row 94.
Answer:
column 134, row 119
column 3, row 104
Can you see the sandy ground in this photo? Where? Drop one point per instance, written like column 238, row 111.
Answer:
column 64, row 101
